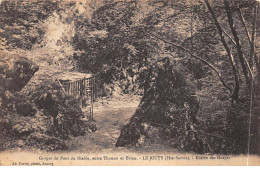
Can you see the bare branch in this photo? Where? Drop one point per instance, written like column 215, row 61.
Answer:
column 238, row 45
column 252, row 52
column 231, row 39
column 251, row 40
column 231, row 58
column 242, row 19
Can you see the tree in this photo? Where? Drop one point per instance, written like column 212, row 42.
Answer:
column 21, row 20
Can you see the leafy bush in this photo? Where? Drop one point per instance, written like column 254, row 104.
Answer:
column 32, row 121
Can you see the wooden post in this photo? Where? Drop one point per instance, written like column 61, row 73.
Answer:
column 91, row 97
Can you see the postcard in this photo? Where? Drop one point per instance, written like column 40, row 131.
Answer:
column 129, row 82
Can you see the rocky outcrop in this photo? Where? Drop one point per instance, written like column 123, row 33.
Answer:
column 15, row 73
column 167, row 108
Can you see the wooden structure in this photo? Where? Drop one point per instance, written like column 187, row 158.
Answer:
column 81, row 86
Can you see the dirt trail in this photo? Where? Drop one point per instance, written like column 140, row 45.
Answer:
column 110, row 116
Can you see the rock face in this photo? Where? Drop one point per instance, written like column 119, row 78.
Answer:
column 167, row 105
column 15, row 73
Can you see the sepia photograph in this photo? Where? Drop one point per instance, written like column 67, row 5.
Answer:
column 129, row 82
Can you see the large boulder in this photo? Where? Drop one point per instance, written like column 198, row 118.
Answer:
column 168, row 106
column 15, row 72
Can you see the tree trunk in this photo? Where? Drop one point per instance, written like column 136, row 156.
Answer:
column 231, row 58
column 238, row 44
column 253, row 55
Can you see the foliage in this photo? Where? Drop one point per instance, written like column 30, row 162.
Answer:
column 22, row 22
column 28, row 120
column 214, row 46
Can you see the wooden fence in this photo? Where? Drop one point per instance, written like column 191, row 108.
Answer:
column 82, row 87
